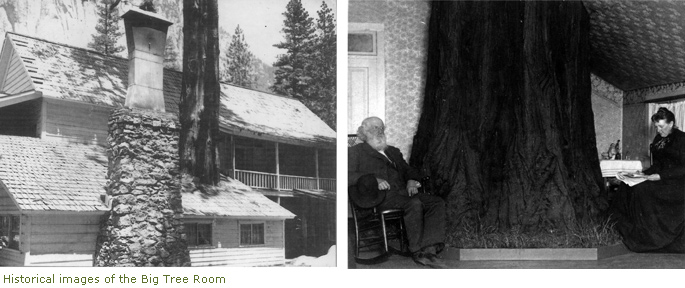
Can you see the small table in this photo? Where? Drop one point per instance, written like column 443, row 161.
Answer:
column 611, row 167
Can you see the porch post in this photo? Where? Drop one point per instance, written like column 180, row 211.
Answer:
column 232, row 157
column 278, row 171
column 316, row 160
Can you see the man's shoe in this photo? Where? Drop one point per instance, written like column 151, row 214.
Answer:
column 439, row 248
column 430, row 260
column 421, row 258
column 436, row 262
column 430, row 249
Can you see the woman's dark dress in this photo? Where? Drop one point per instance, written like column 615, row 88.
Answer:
column 651, row 214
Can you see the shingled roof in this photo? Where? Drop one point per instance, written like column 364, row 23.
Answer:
column 53, row 176
column 65, row 72
column 42, row 175
column 232, row 195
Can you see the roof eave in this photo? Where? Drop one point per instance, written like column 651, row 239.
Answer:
column 237, row 131
column 280, row 217
column 62, row 212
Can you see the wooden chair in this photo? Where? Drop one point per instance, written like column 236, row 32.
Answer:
column 371, row 230
column 351, row 140
column 371, row 226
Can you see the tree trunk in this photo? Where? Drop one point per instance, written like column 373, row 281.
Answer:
column 199, row 107
column 507, row 131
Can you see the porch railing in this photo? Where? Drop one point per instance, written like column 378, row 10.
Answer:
column 287, row 182
column 256, row 179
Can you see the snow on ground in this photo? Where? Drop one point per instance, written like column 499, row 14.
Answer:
column 327, row 260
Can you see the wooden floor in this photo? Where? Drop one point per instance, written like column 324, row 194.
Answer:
column 626, row 261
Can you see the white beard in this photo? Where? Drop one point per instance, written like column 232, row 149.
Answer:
column 377, row 143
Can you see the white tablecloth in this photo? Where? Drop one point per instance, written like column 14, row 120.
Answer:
column 611, row 167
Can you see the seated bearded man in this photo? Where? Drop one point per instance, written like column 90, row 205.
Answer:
column 424, row 214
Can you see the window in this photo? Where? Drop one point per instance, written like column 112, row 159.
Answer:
column 199, row 234
column 361, row 43
column 251, row 234
column 9, row 230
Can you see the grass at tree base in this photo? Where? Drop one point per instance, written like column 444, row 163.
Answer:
column 590, row 235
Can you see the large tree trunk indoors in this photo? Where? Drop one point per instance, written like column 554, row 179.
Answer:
column 507, row 131
column 199, row 107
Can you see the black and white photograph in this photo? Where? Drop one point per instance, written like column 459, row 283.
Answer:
column 516, row 134
column 168, row 133
column 480, row 141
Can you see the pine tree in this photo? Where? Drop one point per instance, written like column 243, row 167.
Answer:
column 322, row 90
column 224, row 41
column 291, row 77
column 148, row 6
column 239, row 61
column 171, row 55
column 107, row 30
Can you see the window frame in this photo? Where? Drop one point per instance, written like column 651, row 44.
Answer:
column 251, row 223
column 11, row 231
column 210, row 224
column 374, row 40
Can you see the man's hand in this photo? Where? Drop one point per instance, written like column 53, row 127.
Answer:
column 382, row 184
column 413, row 187
column 653, row 177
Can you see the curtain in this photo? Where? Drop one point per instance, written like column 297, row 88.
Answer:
column 677, row 107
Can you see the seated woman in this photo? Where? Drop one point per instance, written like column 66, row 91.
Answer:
column 650, row 215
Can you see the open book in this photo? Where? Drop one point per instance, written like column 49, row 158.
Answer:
column 634, row 179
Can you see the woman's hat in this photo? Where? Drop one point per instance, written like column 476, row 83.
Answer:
column 366, row 194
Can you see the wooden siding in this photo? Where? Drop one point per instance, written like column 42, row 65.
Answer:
column 64, row 260
column 16, row 79
column 63, row 234
column 227, row 231
column 76, row 122
column 11, row 257
column 327, row 163
column 259, row 155
column 255, row 155
column 238, row 257
column 297, row 160
column 6, row 203
column 21, row 119
column 314, row 229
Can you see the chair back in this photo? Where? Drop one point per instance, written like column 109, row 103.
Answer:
column 351, row 140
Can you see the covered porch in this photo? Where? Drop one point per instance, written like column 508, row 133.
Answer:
column 270, row 165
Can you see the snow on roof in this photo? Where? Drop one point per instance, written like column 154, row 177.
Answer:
column 43, row 175
column 71, row 73
column 234, row 199
column 277, row 116
column 53, row 176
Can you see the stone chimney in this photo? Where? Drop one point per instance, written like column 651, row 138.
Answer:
column 146, row 40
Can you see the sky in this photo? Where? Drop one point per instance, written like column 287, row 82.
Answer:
column 262, row 21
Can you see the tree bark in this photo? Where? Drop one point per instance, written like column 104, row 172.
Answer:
column 507, row 129
column 199, row 107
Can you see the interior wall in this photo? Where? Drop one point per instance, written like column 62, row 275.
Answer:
column 406, row 42
column 636, row 119
column 607, row 105
column 406, row 36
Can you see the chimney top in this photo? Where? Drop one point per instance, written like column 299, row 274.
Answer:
column 146, row 34
column 140, row 17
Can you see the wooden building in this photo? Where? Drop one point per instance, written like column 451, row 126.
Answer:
column 60, row 97
column 51, row 206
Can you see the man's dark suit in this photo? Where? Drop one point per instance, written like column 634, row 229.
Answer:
column 424, row 214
